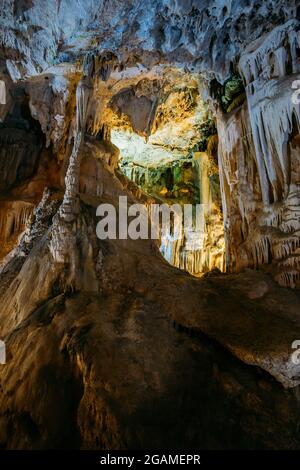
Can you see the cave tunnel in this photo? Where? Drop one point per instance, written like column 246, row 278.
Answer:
column 173, row 165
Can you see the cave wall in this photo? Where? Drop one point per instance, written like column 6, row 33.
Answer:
column 259, row 39
column 207, row 361
column 259, row 160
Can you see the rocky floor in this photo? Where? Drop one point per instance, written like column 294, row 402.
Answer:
column 117, row 349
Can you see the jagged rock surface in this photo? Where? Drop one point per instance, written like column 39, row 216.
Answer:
column 108, row 346
column 259, row 160
column 147, row 326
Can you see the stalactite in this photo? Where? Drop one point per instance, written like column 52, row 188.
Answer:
column 13, row 218
column 281, row 41
column 288, row 278
column 258, row 169
column 271, row 108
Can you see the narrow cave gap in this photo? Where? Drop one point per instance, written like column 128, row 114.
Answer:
column 224, row 11
column 273, row 65
column 22, row 141
column 26, row 168
column 289, row 61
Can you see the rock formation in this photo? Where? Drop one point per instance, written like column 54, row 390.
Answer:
column 109, row 346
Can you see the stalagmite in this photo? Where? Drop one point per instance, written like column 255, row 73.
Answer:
column 62, row 231
column 68, row 209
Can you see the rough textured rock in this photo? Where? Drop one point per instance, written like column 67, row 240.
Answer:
column 147, row 326
column 259, row 153
column 208, row 35
column 108, row 346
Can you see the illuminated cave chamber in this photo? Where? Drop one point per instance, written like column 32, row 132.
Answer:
column 110, row 347
column 175, row 162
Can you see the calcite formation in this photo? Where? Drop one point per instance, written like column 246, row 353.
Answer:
column 258, row 157
column 108, row 345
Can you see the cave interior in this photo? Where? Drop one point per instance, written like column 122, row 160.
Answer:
column 166, row 343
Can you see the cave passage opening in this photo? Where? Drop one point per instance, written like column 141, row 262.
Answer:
column 168, row 149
